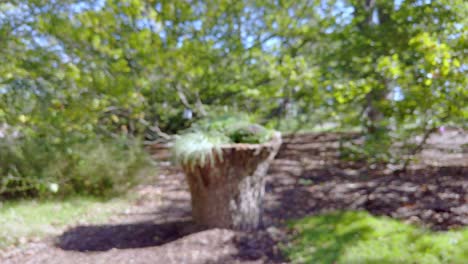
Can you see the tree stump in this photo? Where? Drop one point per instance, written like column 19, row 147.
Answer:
column 228, row 192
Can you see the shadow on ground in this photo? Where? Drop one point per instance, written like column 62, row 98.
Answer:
column 307, row 178
column 124, row 236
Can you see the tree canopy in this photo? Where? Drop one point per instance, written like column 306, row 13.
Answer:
column 74, row 69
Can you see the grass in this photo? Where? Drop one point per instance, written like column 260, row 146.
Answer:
column 358, row 237
column 22, row 221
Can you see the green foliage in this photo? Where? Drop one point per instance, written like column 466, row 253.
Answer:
column 374, row 148
column 252, row 134
column 222, row 123
column 40, row 168
column 80, row 70
column 197, row 148
column 239, row 128
column 358, row 237
column 202, row 142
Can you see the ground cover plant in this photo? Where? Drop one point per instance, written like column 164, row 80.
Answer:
column 358, row 237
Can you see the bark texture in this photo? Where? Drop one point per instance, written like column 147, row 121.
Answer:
column 228, row 192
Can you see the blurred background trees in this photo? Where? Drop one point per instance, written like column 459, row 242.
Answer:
column 79, row 71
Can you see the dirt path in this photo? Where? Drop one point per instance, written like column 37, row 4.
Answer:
column 305, row 179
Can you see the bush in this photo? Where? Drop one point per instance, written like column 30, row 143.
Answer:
column 40, row 168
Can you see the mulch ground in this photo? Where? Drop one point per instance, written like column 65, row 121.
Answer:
column 307, row 178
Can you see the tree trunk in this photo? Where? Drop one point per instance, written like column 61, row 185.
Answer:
column 228, row 192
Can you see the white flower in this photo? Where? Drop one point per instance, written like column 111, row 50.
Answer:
column 54, row 187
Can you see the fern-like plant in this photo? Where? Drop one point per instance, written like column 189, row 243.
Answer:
column 198, row 148
column 200, row 144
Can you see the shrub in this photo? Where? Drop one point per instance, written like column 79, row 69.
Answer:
column 37, row 167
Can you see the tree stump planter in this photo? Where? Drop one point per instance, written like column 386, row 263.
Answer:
column 228, row 192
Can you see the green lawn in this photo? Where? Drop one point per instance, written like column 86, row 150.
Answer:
column 358, row 237
column 24, row 220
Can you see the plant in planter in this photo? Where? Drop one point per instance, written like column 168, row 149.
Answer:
column 225, row 167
